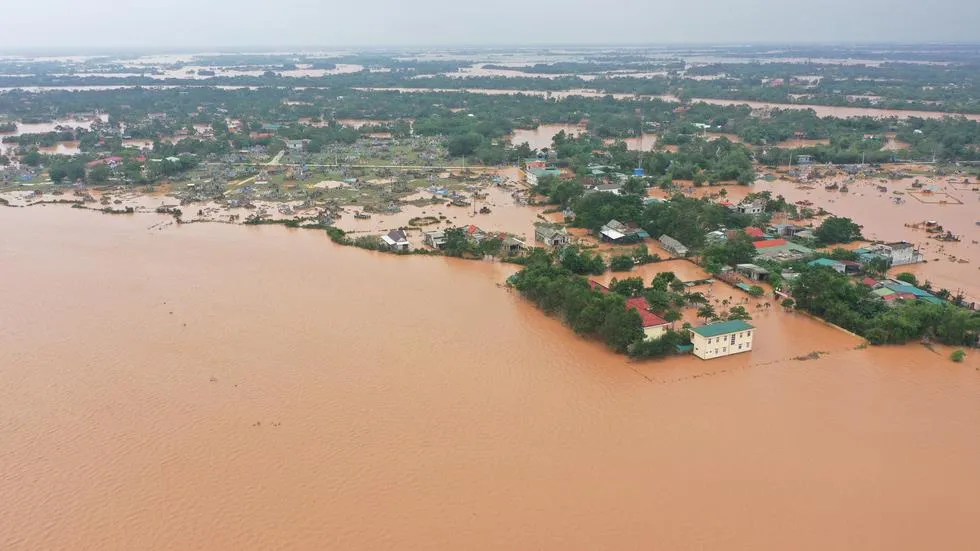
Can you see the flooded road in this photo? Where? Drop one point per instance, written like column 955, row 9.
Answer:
column 841, row 112
column 210, row 386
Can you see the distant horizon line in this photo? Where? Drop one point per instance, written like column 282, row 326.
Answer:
column 299, row 49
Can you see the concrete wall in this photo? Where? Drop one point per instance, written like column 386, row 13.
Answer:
column 655, row 332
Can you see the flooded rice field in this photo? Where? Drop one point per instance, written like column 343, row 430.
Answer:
column 209, row 386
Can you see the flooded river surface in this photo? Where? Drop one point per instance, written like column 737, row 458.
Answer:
column 210, row 386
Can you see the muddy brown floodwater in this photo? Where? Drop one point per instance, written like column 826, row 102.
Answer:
column 211, row 386
column 953, row 265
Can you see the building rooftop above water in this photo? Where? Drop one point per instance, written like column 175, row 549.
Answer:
column 722, row 328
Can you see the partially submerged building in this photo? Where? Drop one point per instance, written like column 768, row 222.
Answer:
column 533, row 175
column 396, row 240
column 654, row 326
column 891, row 290
column 551, row 235
column 722, row 338
column 756, row 206
column 898, row 253
column 780, row 249
column 753, row 272
column 619, row 233
column 435, row 239
column 673, row 246
column 511, row 245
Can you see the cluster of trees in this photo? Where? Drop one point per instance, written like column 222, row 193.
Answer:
column 836, row 229
column 603, row 316
column 558, row 191
column 704, row 162
column 582, row 262
column 835, row 298
column 683, row 218
column 737, row 249
column 459, row 244
column 559, row 291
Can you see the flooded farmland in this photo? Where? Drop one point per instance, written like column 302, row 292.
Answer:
column 540, row 137
column 209, row 386
column 889, row 216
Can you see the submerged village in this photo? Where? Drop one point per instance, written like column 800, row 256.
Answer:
column 660, row 248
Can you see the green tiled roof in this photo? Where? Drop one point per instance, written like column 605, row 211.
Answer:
column 539, row 172
column 722, row 328
column 823, row 262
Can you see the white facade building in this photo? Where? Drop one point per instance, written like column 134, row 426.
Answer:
column 722, row 339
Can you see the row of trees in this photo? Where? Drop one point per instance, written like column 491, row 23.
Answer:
column 835, row 298
column 591, row 313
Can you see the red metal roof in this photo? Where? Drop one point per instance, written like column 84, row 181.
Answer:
column 648, row 318
column 598, row 286
column 869, row 281
column 770, row 243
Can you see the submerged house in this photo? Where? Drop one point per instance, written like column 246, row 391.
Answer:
column 654, row 326
column 533, row 175
column 898, row 253
column 511, row 245
column 550, row 235
column 753, row 272
column 893, row 290
column 757, row 206
column 435, row 239
column 673, row 246
column 396, row 240
column 834, row 265
column 722, row 339
column 619, row 233
column 780, row 249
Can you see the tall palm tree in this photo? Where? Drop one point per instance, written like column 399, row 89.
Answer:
column 707, row 312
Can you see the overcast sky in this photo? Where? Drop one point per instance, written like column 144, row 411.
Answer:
column 195, row 24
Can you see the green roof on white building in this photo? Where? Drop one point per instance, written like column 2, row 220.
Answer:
column 722, row 328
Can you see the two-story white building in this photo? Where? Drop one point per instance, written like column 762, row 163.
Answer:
column 722, row 338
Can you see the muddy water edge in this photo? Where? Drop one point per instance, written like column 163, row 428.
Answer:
column 210, row 386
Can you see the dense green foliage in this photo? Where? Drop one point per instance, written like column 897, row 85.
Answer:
column 558, row 291
column 837, row 229
column 621, row 263
column 582, row 262
column 591, row 313
column 835, row 298
column 737, row 249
